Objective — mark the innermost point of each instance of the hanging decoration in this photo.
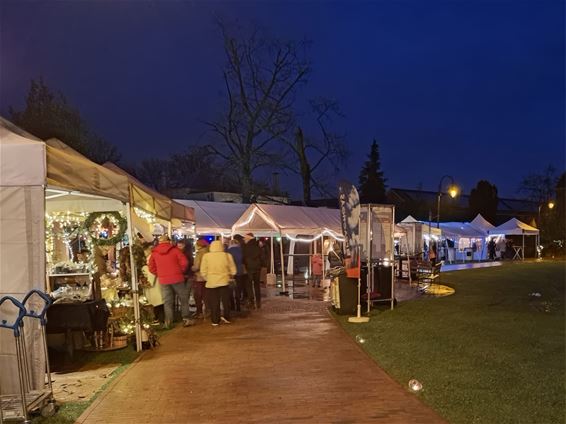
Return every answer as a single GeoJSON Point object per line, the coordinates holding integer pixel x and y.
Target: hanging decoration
{"type": "Point", "coordinates": [106, 228]}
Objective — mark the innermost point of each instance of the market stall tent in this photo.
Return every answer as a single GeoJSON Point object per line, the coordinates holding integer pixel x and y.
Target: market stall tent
{"type": "Point", "coordinates": [296, 223]}
{"type": "Point", "coordinates": [480, 223]}
{"type": "Point", "coordinates": [290, 221]}
{"type": "Point", "coordinates": [469, 241]}
{"type": "Point", "coordinates": [516, 227]}
{"type": "Point", "coordinates": [214, 218]}
{"type": "Point", "coordinates": [22, 251]}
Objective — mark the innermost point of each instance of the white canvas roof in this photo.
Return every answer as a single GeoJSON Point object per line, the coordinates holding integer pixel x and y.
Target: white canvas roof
{"type": "Point", "coordinates": [265, 220]}
{"type": "Point", "coordinates": [22, 158]}
{"type": "Point", "coordinates": [481, 223]}
{"type": "Point", "coordinates": [214, 217]}
{"type": "Point", "coordinates": [152, 201]}
{"type": "Point", "coordinates": [68, 169]}
{"type": "Point", "coordinates": [461, 229]}
{"type": "Point", "coordinates": [514, 227]}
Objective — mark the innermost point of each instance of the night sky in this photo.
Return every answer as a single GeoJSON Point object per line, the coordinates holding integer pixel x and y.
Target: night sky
{"type": "Point", "coordinates": [474, 89]}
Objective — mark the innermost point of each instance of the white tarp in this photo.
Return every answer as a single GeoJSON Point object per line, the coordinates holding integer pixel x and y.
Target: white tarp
{"type": "Point", "coordinates": [22, 250]}
{"type": "Point", "coordinates": [514, 227]}
{"type": "Point", "coordinates": [266, 220]}
{"type": "Point", "coordinates": [482, 224]}
{"type": "Point", "coordinates": [214, 217]}
{"type": "Point", "coordinates": [461, 229]}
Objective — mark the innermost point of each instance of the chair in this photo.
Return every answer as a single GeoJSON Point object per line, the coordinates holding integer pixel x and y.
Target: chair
{"type": "Point", "coordinates": [427, 274]}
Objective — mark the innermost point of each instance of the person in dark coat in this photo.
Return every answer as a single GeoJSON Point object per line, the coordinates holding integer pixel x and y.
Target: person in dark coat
{"type": "Point", "coordinates": [235, 250]}
{"type": "Point", "coordinates": [253, 263]}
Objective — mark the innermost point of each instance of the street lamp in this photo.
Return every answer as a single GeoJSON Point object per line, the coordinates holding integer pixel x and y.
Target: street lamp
{"type": "Point", "coordinates": [549, 204]}
{"type": "Point", "coordinates": [452, 192]}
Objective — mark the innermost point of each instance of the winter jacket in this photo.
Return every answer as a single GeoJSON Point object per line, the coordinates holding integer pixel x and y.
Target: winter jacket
{"type": "Point", "coordinates": [252, 256]}
{"type": "Point", "coordinates": [217, 267]}
{"type": "Point", "coordinates": [168, 263]}
{"type": "Point", "coordinates": [316, 263]}
{"type": "Point", "coordinates": [238, 256]}
{"type": "Point", "coordinates": [201, 251]}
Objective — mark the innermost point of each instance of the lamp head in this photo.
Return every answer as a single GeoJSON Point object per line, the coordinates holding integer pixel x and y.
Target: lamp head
{"type": "Point", "coordinates": [550, 204]}
{"type": "Point", "coordinates": [453, 191]}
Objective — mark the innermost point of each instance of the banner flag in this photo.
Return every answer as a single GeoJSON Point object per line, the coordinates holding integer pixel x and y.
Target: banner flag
{"type": "Point", "coordinates": [349, 201]}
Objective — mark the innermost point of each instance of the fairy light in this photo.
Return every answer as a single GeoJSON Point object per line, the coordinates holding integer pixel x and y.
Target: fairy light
{"type": "Point", "coordinates": [147, 216]}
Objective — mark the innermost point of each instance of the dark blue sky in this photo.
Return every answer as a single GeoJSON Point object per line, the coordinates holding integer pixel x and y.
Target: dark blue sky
{"type": "Point", "coordinates": [470, 88]}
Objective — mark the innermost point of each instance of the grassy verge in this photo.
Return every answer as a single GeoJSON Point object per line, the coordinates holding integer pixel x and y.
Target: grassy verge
{"type": "Point", "coordinates": [68, 412]}
{"type": "Point", "coordinates": [490, 353]}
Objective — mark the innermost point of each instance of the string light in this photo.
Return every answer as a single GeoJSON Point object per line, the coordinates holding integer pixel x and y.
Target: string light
{"type": "Point", "coordinates": [149, 217]}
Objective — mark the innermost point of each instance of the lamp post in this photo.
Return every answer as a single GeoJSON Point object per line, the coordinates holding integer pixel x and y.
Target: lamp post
{"type": "Point", "coordinates": [452, 191]}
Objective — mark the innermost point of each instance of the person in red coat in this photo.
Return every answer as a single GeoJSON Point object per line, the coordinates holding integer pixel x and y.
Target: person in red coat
{"type": "Point", "coordinates": [170, 264]}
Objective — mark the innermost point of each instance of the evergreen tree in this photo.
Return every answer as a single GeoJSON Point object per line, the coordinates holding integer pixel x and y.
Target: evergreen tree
{"type": "Point", "coordinates": [371, 181]}
{"type": "Point", "coordinates": [49, 115]}
{"type": "Point", "coordinates": [484, 200]}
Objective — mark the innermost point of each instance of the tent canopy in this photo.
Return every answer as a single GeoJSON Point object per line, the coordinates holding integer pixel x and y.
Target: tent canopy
{"type": "Point", "coordinates": [69, 170]}
{"type": "Point", "coordinates": [288, 220]}
{"type": "Point", "coordinates": [514, 227]}
{"type": "Point", "coordinates": [481, 223]}
{"type": "Point", "coordinates": [22, 158]}
{"type": "Point", "coordinates": [151, 201]}
{"type": "Point", "coordinates": [214, 217]}
{"type": "Point", "coordinates": [461, 229]}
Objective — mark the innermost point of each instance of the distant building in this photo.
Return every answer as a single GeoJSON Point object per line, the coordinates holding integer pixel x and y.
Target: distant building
{"type": "Point", "coordinates": [222, 196]}
{"type": "Point", "coordinates": [419, 204]}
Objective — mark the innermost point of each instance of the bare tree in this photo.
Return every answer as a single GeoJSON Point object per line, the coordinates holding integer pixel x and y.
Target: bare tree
{"type": "Point", "coordinates": [310, 156]}
{"type": "Point", "coordinates": [260, 77]}
{"type": "Point", "coordinates": [539, 187]}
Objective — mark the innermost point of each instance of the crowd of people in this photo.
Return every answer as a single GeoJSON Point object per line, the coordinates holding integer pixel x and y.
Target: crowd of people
{"type": "Point", "coordinates": [222, 278]}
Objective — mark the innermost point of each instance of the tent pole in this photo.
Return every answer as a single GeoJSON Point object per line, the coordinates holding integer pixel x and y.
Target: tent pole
{"type": "Point", "coordinates": [282, 264]}
{"type": "Point", "coordinates": [134, 279]}
{"type": "Point", "coordinates": [369, 279]}
{"type": "Point", "coordinates": [272, 259]}
{"type": "Point", "coordinates": [393, 257]}
{"type": "Point", "coordinates": [523, 245]}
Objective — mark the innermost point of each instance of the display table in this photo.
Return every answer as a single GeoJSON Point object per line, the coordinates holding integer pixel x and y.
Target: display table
{"type": "Point", "coordinates": [88, 316]}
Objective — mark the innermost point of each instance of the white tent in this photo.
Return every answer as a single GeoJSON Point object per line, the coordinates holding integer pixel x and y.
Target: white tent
{"type": "Point", "coordinates": [469, 241]}
{"type": "Point", "coordinates": [22, 266]}
{"type": "Point", "coordinates": [214, 218]}
{"type": "Point", "coordinates": [516, 227]}
{"type": "Point", "coordinates": [481, 223]}
{"type": "Point", "coordinates": [412, 233]}
{"type": "Point", "coordinates": [290, 221]}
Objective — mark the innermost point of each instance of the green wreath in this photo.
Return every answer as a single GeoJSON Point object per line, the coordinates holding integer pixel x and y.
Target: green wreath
{"type": "Point", "coordinates": [120, 220]}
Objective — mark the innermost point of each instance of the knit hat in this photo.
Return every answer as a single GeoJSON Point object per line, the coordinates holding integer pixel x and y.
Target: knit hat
{"type": "Point", "coordinates": [202, 242]}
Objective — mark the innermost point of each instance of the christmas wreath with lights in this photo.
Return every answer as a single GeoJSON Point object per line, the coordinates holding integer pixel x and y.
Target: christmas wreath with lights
{"type": "Point", "coordinates": [118, 222]}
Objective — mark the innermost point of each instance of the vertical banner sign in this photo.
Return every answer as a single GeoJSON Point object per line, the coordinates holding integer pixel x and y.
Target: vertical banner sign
{"type": "Point", "coordinates": [350, 218]}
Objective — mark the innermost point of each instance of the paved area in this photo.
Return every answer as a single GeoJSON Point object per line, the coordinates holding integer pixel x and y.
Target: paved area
{"type": "Point", "coordinates": [289, 363]}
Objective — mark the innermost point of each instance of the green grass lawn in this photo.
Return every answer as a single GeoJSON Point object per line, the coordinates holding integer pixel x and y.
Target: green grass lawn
{"type": "Point", "coordinates": [490, 353]}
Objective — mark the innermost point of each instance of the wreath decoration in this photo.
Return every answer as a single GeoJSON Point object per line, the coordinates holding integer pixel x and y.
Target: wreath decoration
{"type": "Point", "coordinates": [97, 219]}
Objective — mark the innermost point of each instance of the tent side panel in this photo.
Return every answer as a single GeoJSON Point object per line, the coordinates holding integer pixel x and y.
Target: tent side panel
{"type": "Point", "coordinates": [22, 268]}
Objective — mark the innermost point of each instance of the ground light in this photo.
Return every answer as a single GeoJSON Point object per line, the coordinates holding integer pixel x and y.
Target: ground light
{"type": "Point", "coordinates": [360, 339]}
{"type": "Point", "coordinates": [415, 385]}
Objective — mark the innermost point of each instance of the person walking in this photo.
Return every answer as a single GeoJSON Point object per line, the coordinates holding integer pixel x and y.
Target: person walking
{"type": "Point", "coordinates": [169, 264]}
{"type": "Point", "coordinates": [316, 267]}
{"type": "Point", "coordinates": [491, 249]}
{"type": "Point", "coordinates": [235, 250]}
{"type": "Point", "coordinates": [252, 262]}
{"type": "Point", "coordinates": [199, 281]}
{"type": "Point", "coordinates": [218, 268]}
